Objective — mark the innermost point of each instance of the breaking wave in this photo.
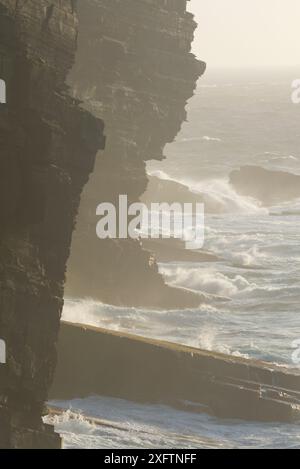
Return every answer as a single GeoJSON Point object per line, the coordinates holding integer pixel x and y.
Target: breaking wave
{"type": "Point", "coordinates": [205, 280]}
{"type": "Point", "coordinates": [218, 195]}
{"type": "Point", "coordinates": [209, 340]}
{"type": "Point", "coordinates": [205, 138]}
{"type": "Point", "coordinates": [126, 425]}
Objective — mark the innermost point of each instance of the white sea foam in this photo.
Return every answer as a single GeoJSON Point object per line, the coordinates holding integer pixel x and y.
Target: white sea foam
{"type": "Point", "coordinates": [286, 157]}
{"type": "Point", "coordinates": [218, 195]}
{"type": "Point", "coordinates": [204, 280]}
{"type": "Point", "coordinates": [206, 138]}
{"type": "Point", "coordinates": [160, 174]}
{"type": "Point", "coordinates": [248, 258]}
{"type": "Point", "coordinates": [242, 255]}
{"type": "Point", "coordinates": [82, 311]}
{"type": "Point", "coordinates": [208, 339]}
{"type": "Point", "coordinates": [127, 425]}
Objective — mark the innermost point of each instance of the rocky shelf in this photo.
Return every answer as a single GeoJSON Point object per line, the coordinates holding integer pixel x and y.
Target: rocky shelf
{"type": "Point", "coordinates": [95, 361]}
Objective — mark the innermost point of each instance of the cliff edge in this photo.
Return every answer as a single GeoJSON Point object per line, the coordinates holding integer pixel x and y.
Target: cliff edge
{"type": "Point", "coordinates": [135, 70]}
{"type": "Point", "coordinates": [48, 146]}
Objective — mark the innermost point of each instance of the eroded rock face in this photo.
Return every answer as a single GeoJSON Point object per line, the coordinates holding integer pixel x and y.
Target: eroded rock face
{"type": "Point", "coordinates": [134, 69]}
{"type": "Point", "coordinates": [48, 145]}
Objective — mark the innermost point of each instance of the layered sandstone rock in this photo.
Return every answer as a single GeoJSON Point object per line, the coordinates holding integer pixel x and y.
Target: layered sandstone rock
{"type": "Point", "coordinates": [48, 145]}
{"type": "Point", "coordinates": [147, 370]}
{"type": "Point", "coordinates": [134, 68]}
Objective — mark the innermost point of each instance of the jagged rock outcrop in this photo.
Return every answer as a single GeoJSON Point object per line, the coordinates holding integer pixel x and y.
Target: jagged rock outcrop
{"type": "Point", "coordinates": [48, 146]}
{"type": "Point", "coordinates": [134, 69]}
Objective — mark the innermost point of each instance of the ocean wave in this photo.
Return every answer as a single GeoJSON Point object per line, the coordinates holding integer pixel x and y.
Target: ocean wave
{"type": "Point", "coordinates": [130, 425]}
{"type": "Point", "coordinates": [72, 422]}
{"type": "Point", "coordinates": [208, 339]}
{"type": "Point", "coordinates": [161, 175]}
{"type": "Point", "coordinates": [118, 318]}
{"type": "Point", "coordinates": [158, 324]}
{"type": "Point", "coordinates": [287, 157]}
{"type": "Point", "coordinates": [251, 257]}
{"type": "Point", "coordinates": [248, 258]}
{"type": "Point", "coordinates": [206, 138]}
{"type": "Point", "coordinates": [207, 281]}
{"type": "Point", "coordinates": [217, 195]}
{"type": "Point", "coordinates": [286, 209]}
{"type": "Point", "coordinates": [275, 155]}
{"type": "Point", "coordinates": [126, 425]}
{"type": "Point", "coordinates": [187, 327]}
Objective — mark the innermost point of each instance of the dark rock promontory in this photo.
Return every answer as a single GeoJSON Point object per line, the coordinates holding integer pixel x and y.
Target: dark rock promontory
{"type": "Point", "coordinates": [48, 147]}
{"type": "Point", "coordinates": [135, 70]}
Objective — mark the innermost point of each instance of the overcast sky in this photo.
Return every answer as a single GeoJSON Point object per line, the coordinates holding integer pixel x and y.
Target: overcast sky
{"type": "Point", "coordinates": [243, 33]}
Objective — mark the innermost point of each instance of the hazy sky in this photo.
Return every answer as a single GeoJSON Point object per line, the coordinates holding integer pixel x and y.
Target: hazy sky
{"type": "Point", "coordinates": [245, 33]}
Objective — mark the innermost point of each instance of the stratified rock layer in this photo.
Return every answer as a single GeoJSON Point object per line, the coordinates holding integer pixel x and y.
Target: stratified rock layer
{"type": "Point", "coordinates": [48, 145]}
{"type": "Point", "coordinates": [147, 370]}
{"type": "Point", "coordinates": [134, 68]}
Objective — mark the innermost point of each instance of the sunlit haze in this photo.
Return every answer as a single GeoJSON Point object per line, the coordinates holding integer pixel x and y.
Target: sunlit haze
{"type": "Point", "coordinates": [247, 33]}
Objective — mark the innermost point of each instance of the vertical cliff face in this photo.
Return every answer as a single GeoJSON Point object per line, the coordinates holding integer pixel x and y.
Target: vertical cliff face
{"type": "Point", "coordinates": [134, 69]}
{"type": "Point", "coordinates": [48, 145]}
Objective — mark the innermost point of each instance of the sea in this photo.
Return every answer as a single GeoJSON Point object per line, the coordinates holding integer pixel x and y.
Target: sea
{"type": "Point", "coordinates": [236, 118]}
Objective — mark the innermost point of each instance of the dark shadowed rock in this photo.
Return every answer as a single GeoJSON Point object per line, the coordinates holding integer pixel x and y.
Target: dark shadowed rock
{"type": "Point", "coordinates": [48, 148]}
{"type": "Point", "coordinates": [135, 70]}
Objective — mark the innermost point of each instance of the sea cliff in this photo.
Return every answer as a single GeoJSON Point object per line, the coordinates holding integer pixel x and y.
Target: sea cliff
{"type": "Point", "coordinates": [134, 68]}
{"type": "Point", "coordinates": [48, 146]}
{"type": "Point", "coordinates": [126, 63]}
